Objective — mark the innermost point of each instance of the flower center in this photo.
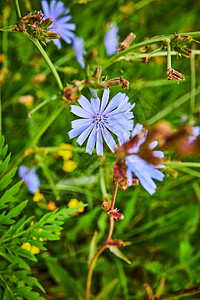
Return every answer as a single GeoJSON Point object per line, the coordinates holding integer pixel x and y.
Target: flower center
{"type": "Point", "coordinates": [99, 120]}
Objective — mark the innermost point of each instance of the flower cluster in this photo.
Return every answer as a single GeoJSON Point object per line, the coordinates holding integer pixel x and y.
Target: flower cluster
{"type": "Point", "coordinates": [75, 203]}
{"type": "Point", "coordinates": [37, 27]}
{"type": "Point", "coordinates": [68, 164]}
{"type": "Point", "coordinates": [99, 119]}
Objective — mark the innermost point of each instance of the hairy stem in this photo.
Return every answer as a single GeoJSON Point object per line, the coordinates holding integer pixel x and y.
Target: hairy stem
{"type": "Point", "coordinates": [103, 247]}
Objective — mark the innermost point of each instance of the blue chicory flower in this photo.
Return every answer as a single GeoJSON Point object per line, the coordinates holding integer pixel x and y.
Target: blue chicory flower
{"type": "Point", "coordinates": [78, 46]}
{"type": "Point", "coordinates": [59, 15]}
{"type": "Point", "coordinates": [100, 118]}
{"type": "Point", "coordinates": [30, 178]}
{"type": "Point", "coordinates": [110, 39]}
{"type": "Point", "coordinates": [140, 167]}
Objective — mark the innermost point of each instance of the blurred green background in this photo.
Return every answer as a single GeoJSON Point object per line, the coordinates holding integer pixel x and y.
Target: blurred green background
{"type": "Point", "coordinates": [163, 229]}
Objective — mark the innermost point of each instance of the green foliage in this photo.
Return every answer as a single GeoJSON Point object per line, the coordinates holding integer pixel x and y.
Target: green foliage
{"type": "Point", "coordinates": [161, 232]}
{"type": "Point", "coordinates": [15, 274]}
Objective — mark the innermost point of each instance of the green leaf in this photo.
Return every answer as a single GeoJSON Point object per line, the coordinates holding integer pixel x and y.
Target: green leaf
{"type": "Point", "coordinates": [3, 152]}
{"type": "Point", "coordinates": [7, 179]}
{"type": "Point", "coordinates": [7, 218]}
{"type": "Point", "coordinates": [64, 279]}
{"type": "Point", "coordinates": [27, 293]}
{"type": "Point", "coordinates": [107, 289]}
{"type": "Point", "coordinates": [115, 250]}
{"type": "Point", "coordinates": [8, 195]}
{"type": "Point", "coordinates": [93, 246]}
{"type": "Point", "coordinates": [4, 164]}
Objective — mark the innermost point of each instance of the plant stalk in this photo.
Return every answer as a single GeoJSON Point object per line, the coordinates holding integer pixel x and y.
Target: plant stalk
{"type": "Point", "coordinates": [103, 247]}
{"type": "Point", "coordinates": [17, 8]}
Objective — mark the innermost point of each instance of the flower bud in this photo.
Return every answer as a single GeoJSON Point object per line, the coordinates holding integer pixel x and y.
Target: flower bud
{"type": "Point", "coordinates": [114, 213]}
{"type": "Point", "coordinates": [118, 81]}
{"type": "Point", "coordinates": [46, 23]}
{"type": "Point", "coordinates": [116, 243]}
{"type": "Point", "coordinates": [119, 175]}
{"type": "Point", "coordinates": [126, 43]}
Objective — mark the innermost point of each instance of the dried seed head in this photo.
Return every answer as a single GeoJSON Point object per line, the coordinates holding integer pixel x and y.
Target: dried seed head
{"type": "Point", "coordinates": [173, 74]}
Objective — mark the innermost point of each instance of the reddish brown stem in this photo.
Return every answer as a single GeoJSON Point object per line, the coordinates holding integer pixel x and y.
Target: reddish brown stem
{"type": "Point", "coordinates": [103, 247]}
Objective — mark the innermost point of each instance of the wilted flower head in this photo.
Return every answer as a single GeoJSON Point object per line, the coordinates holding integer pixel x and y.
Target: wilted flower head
{"type": "Point", "coordinates": [99, 119]}
{"type": "Point", "coordinates": [141, 160]}
{"type": "Point", "coordinates": [30, 178]}
{"type": "Point", "coordinates": [37, 26]}
{"type": "Point", "coordinates": [110, 39]}
{"type": "Point", "coordinates": [78, 46]}
{"type": "Point", "coordinates": [59, 15]}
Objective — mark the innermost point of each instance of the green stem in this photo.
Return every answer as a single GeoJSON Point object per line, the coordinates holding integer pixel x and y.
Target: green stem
{"type": "Point", "coordinates": [169, 62]}
{"type": "Point", "coordinates": [182, 164]}
{"type": "Point", "coordinates": [17, 8]}
{"type": "Point", "coordinates": [197, 190]}
{"type": "Point", "coordinates": [137, 55]}
{"type": "Point", "coordinates": [47, 59]}
{"type": "Point", "coordinates": [151, 41]}
{"type": "Point", "coordinates": [191, 172]}
{"type": "Point", "coordinates": [40, 106]}
{"type": "Point", "coordinates": [7, 286]}
{"type": "Point", "coordinates": [55, 149]}
{"type": "Point", "coordinates": [48, 175]}
{"type": "Point", "coordinates": [172, 106]}
{"type": "Point", "coordinates": [0, 113]}
{"type": "Point", "coordinates": [193, 85]}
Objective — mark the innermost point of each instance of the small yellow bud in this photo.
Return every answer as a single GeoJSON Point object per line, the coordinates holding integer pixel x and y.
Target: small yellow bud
{"type": "Point", "coordinates": [34, 250]}
{"type": "Point", "coordinates": [37, 196]}
{"type": "Point", "coordinates": [74, 203]}
{"type": "Point", "coordinates": [69, 166]}
{"type": "Point", "coordinates": [52, 206]}
{"type": "Point", "coordinates": [26, 246]}
{"type": "Point", "coordinates": [66, 154]}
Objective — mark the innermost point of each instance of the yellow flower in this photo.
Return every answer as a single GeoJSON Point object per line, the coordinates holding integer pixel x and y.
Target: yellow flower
{"type": "Point", "coordinates": [37, 196]}
{"type": "Point", "coordinates": [74, 203]}
{"type": "Point", "coordinates": [27, 246]}
{"type": "Point", "coordinates": [66, 154]}
{"type": "Point", "coordinates": [52, 206]}
{"type": "Point", "coordinates": [27, 100]}
{"type": "Point", "coordinates": [69, 165]}
{"type": "Point", "coordinates": [35, 250]}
